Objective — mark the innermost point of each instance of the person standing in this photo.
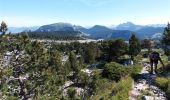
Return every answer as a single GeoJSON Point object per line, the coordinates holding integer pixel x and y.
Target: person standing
{"type": "Point", "coordinates": [154, 57]}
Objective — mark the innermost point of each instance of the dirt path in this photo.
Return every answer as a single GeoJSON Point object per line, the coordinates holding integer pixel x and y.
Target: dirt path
{"type": "Point", "coordinates": [144, 87]}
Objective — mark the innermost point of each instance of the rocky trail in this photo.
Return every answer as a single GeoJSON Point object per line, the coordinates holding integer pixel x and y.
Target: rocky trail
{"type": "Point", "coordinates": [145, 88]}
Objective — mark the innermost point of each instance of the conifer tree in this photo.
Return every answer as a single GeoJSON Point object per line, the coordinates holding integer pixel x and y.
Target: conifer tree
{"type": "Point", "coordinates": [32, 70]}
{"type": "Point", "coordinates": [74, 65]}
{"type": "Point", "coordinates": [134, 46]}
{"type": "Point", "coordinates": [3, 27]}
{"type": "Point", "coordinates": [166, 40]}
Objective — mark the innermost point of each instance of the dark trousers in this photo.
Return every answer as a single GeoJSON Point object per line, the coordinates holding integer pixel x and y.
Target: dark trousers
{"type": "Point", "coordinates": [155, 62]}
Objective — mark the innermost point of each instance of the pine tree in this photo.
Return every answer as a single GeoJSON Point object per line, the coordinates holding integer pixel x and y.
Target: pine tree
{"type": "Point", "coordinates": [166, 40]}
{"type": "Point", "coordinates": [118, 49]}
{"type": "Point", "coordinates": [134, 46]}
{"type": "Point", "coordinates": [89, 55]}
{"type": "Point", "coordinates": [30, 68]}
{"type": "Point", "coordinates": [114, 49]}
{"type": "Point", "coordinates": [74, 65]}
{"type": "Point", "coordinates": [146, 43]}
{"type": "Point", "coordinates": [3, 27]}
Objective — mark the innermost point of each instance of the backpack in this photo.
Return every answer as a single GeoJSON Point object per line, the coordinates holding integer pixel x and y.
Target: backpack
{"type": "Point", "coordinates": [154, 56]}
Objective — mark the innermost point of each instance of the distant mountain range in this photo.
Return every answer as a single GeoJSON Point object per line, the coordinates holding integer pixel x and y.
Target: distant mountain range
{"type": "Point", "coordinates": [102, 32]}
{"type": "Point", "coordinates": [22, 29]}
{"type": "Point", "coordinates": [147, 31]}
{"type": "Point", "coordinates": [124, 30]}
{"type": "Point", "coordinates": [128, 26]}
{"type": "Point", "coordinates": [56, 27]}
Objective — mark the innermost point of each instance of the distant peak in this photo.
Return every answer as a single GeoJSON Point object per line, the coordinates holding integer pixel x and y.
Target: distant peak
{"type": "Point", "coordinates": [61, 23]}
{"type": "Point", "coordinates": [99, 26]}
{"type": "Point", "coordinates": [127, 23]}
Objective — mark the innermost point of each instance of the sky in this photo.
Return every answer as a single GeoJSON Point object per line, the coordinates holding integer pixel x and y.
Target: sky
{"type": "Point", "coordinates": [19, 13]}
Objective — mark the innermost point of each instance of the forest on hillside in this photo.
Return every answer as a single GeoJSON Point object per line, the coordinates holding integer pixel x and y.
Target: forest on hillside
{"type": "Point", "coordinates": [58, 35]}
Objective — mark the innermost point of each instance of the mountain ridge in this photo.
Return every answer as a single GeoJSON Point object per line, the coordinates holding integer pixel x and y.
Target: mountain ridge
{"type": "Point", "coordinates": [123, 30]}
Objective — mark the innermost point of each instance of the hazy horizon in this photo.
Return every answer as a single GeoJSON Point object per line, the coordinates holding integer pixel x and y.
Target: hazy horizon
{"type": "Point", "coordinates": [90, 26]}
{"type": "Point", "coordinates": [19, 13]}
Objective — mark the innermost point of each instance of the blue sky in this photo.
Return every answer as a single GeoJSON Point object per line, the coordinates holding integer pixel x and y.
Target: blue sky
{"type": "Point", "coordinates": [84, 12]}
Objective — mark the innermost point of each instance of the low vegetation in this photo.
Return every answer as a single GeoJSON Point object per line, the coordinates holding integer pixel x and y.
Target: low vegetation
{"type": "Point", "coordinates": [41, 70]}
{"type": "Point", "coordinates": [164, 84]}
{"type": "Point", "coordinates": [116, 90]}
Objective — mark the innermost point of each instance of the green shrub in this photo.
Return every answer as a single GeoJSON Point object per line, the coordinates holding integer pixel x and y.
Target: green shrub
{"type": "Point", "coordinates": [113, 71]}
{"type": "Point", "coordinates": [107, 87]}
{"type": "Point", "coordinates": [116, 80]}
{"type": "Point", "coordinates": [136, 69]}
{"type": "Point", "coordinates": [168, 91]}
{"type": "Point", "coordinates": [71, 93]}
{"type": "Point", "coordinates": [122, 89]}
{"type": "Point", "coordinates": [162, 82]}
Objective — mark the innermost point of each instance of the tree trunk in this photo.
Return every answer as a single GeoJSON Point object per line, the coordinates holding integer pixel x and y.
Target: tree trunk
{"type": "Point", "coordinates": [22, 91]}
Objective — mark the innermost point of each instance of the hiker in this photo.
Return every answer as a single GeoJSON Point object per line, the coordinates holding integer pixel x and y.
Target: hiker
{"type": "Point", "coordinates": [154, 57]}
